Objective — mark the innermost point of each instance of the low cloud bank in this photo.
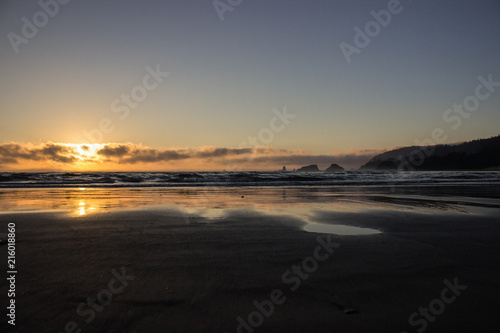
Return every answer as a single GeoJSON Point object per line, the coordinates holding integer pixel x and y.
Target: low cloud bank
{"type": "Point", "coordinates": [120, 155]}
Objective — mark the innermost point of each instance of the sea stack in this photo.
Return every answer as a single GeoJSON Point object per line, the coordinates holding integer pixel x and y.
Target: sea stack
{"type": "Point", "coordinates": [334, 168]}
{"type": "Point", "coordinates": [309, 168]}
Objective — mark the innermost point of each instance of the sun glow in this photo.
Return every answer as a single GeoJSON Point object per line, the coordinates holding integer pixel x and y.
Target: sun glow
{"type": "Point", "coordinates": [86, 152]}
{"type": "Point", "coordinates": [85, 155]}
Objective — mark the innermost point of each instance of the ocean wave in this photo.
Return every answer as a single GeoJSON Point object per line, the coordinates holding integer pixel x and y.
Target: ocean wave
{"type": "Point", "coordinates": [220, 179]}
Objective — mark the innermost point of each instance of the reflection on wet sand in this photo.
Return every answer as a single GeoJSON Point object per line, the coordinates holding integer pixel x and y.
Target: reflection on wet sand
{"type": "Point", "coordinates": [338, 229]}
{"type": "Point", "coordinates": [214, 203]}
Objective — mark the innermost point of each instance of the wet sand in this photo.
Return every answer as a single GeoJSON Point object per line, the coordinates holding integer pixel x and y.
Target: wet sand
{"type": "Point", "coordinates": [185, 269]}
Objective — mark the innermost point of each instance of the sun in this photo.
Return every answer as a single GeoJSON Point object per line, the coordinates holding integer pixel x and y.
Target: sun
{"type": "Point", "coordinates": [86, 152]}
{"type": "Point", "coordinates": [86, 155]}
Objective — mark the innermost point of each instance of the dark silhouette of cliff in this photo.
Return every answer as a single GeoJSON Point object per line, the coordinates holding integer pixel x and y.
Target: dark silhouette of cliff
{"type": "Point", "coordinates": [481, 154]}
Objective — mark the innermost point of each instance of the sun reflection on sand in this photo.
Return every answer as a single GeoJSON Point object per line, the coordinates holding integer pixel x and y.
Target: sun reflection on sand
{"type": "Point", "coordinates": [208, 203]}
{"type": "Point", "coordinates": [81, 210]}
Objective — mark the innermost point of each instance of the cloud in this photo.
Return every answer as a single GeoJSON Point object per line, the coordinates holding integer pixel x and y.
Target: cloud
{"type": "Point", "coordinates": [119, 156]}
{"type": "Point", "coordinates": [113, 151]}
{"type": "Point", "coordinates": [56, 153]}
{"type": "Point", "coordinates": [208, 152]}
{"type": "Point", "coordinates": [12, 152]}
{"type": "Point", "coordinates": [131, 153]}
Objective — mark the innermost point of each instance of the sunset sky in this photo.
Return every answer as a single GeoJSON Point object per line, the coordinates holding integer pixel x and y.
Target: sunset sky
{"type": "Point", "coordinates": [267, 86]}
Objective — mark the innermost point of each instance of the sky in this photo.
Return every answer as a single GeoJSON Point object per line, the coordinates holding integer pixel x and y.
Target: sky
{"type": "Point", "coordinates": [254, 85]}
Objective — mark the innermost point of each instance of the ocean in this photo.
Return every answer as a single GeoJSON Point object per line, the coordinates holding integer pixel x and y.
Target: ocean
{"type": "Point", "coordinates": [240, 179]}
